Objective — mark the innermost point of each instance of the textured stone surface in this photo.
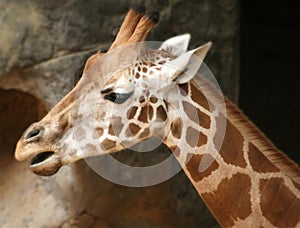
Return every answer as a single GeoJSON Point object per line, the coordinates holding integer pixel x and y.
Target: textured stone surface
{"type": "Point", "coordinates": [49, 81]}
{"type": "Point", "coordinates": [43, 45]}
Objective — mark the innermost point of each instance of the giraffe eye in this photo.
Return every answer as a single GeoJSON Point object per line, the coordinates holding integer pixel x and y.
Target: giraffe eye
{"type": "Point", "coordinates": [117, 98]}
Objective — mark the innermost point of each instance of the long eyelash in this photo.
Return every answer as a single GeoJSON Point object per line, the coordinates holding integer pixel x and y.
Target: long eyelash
{"type": "Point", "coordinates": [117, 98]}
{"type": "Point", "coordinates": [106, 90]}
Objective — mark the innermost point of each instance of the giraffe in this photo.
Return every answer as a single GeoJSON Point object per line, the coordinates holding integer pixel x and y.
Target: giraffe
{"type": "Point", "coordinates": [245, 179]}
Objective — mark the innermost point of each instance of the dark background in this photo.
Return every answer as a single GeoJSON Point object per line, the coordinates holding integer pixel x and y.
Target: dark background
{"type": "Point", "coordinates": [269, 70]}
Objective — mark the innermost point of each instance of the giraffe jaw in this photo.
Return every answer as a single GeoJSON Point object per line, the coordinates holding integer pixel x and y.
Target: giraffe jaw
{"type": "Point", "coordinates": [45, 163]}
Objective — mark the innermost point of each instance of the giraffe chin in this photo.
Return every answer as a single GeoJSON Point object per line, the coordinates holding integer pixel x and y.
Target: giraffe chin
{"type": "Point", "coordinates": [45, 164]}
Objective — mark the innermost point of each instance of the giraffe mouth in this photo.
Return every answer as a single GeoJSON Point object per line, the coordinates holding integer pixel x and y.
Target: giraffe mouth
{"type": "Point", "coordinates": [45, 163]}
{"type": "Point", "coordinates": [41, 157]}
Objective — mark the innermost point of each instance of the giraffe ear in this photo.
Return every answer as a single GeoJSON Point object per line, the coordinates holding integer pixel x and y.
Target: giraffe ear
{"type": "Point", "coordinates": [185, 67]}
{"type": "Point", "coordinates": [176, 45]}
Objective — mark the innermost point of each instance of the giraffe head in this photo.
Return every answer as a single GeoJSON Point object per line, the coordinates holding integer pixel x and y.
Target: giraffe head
{"type": "Point", "coordinates": [122, 98]}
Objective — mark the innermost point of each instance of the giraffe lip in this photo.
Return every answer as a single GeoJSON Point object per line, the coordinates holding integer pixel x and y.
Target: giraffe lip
{"type": "Point", "coordinates": [45, 163]}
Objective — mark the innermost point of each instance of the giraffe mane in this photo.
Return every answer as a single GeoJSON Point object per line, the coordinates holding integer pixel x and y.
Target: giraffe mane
{"type": "Point", "coordinates": [253, 134]}
{"type": "Point", "coordinates": [249, 130]}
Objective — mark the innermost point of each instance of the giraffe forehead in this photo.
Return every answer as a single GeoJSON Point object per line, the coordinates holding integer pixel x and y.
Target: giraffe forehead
{"type": "Point", "coordinates": [151, 63]}
{"type": "Point", "coordinates": [120, 78]}
{"type": "Point", "coordinates": [148, 78]}
{"type": "Point", "coordinates": [144, 68]}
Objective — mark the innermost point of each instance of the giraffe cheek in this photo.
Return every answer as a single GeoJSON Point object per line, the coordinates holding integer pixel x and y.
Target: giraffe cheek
{"type": "Point", "coordinates": [79, 134]}
{"type": "Point", "coordinates": [115, 126]}
{"type": "Point", "coordinates": [97, 133]}
{"type": "Point", "coordinates": [132, 130]}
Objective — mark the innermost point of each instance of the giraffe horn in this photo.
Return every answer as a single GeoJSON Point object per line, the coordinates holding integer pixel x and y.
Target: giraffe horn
{"type": "Point", "coordinates": [144, 27]}
{"type": "Point", "coordinates": [128, 26]}
{"type": "Point", "coordinates": [135, 28]}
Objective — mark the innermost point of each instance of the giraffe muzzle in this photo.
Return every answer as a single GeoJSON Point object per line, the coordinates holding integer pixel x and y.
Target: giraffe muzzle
{"type": "Point", "coordinates": [45, 164]}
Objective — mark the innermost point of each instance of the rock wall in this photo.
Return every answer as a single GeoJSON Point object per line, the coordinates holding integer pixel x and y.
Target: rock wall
{"type": "Point", "coordinates": [43, 46]}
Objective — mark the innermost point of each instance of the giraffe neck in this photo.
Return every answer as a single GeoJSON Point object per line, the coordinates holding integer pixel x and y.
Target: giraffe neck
{"type": "Point", "coordinates": [248, 182]}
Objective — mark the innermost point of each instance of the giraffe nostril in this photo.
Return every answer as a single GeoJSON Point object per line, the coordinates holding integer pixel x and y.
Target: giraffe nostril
{"type": "Point", "coordinates": [32, 134]}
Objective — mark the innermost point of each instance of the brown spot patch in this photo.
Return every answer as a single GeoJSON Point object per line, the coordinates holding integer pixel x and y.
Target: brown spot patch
{"type": "Point", "coordinates": [196, 115]}
{"type": "Point", "coordinates": [161, 113]}
{"type": "Point", "coordinates": [90, 147]}
{"type": "Point", "coordinates": [145, 133]}
{"type": "Point", "coordinates": [108, 144]}
{"type": "Point", "coordinates": [111, 130]}
{"type": "Point", "coordinates": [97, 133]}
{"type": "Point", "coordinates": [145, 69]}
{"type": "Point", "coordinates": [115, 127]}
{"type": "Point", "coordinates": [199, 97]}
{"type": "Point", "coordinates": [142, 99]}
{"type": "Point", "coordinates": [153, 99]}
{"type": "Point", "coordinates": [231, 147]}
{"type": "Point", "coordinates": [195, 138]}
{"type": "Point", "coordinates": [132, 129]}
{"type": "Point", "coordinates": [137, 75]}
{"type": "Point", "coordinates": [131, 112]}
{"type": "Point", "coordinates": [184, 89]}
{"type": "Point", "coordinates": [176, 128]}
{"type": "Point", "coordinates": [176, 150]}
{"type": "Point", "coordinates": [143, 117]}
{"type": "Point", "coordinates": [79, 134]}
{"type": "Point", "coordinates": [231, 201]}
{"type": "Point", "coordinates": [259, 162]}
{"type": "Point", "coordinates": [193, 165]}
{"type": "Point", "coordinates": [278, 204]}
{"type": "Point", "coordinates": [150, 112]}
